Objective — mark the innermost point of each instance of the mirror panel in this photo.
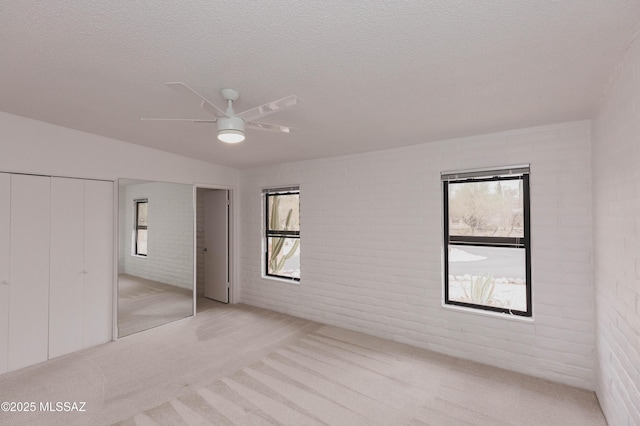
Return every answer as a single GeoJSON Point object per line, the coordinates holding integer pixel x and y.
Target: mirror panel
{"type": "Point", "coordinates": [155, 254]}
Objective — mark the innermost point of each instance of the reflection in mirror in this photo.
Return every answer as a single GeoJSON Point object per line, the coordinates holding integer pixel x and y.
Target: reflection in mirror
{"type": "Point", "coordinates": [155, 254]}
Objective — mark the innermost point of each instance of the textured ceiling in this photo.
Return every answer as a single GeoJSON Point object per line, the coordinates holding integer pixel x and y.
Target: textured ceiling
{"type": "Point", "coordinates": [370, 75]}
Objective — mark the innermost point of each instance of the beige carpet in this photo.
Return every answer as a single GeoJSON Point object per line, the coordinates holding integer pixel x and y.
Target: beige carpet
{"type": "Point", "coordinates": [236, 364]}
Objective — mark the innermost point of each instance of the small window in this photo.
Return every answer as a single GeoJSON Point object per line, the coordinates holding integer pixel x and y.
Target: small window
{"type": "Point", "coordinates": [141, 224]}
{"type": "Point", "coordinates": [282, 233]}
{"type": "Point", "coordinates": [487, 257]}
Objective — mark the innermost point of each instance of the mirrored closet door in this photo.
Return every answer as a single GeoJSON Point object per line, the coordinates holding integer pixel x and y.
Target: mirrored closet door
{"type": "Point", "coordinates": [155, 254]}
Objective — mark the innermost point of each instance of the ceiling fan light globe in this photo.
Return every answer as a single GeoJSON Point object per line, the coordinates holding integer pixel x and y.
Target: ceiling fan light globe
{"type": "Point", "coordinates": [230, 136]}
{"type": "Point", "coordinates": [230, 129]}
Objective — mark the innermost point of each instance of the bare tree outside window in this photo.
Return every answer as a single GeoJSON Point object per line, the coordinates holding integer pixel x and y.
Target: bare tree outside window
{"type": "Point", "coordinates": [486, 209]}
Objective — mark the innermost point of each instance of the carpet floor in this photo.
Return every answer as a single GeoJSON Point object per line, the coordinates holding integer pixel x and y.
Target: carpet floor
{"type": "Point", "coordinates": [241, 365]}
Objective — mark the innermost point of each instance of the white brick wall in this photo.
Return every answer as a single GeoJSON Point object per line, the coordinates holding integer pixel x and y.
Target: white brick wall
{"type": "Point", "coordinates": [371, 231]}
{"type": "Point", "coordinates": [200, 242]}
{"type": "Point", "coordinates": [616, 171]}
{"type": "Point", "coordinates": [170, 238]}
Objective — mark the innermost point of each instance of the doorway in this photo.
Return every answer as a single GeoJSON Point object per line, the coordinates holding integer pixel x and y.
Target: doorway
{"type": "Point", "coordinates": [213, 247]}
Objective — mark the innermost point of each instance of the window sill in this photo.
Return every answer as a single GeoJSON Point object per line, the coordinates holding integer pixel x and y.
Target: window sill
{"type": "Point", "coordinates": [509, 317]}
{"type": "Point", "coordinates": [282, 280]}
{"type": "Point", "coordinates": [139, 256]}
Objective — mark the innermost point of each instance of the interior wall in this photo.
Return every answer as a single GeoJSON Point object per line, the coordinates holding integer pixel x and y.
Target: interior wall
{"type": "Point", "coordinates": [200, 243]}
{"type": "Point", "coordinates": [170, 233]}
{"type": "Point", "coordinates": [616, 176]}
{"type": "Point", "coordinates": [31, 146]}
{"type": "Point", "coordinates": [371, 249]}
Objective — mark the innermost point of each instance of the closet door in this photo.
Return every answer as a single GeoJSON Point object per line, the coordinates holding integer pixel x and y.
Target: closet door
{"type": "Point", "coordinates": [29, 266]}
{"type": "Point", "coordinates": [98, 263]}
{"type": "Point", "coordinates": [66, 283]}
{"type": "Point", "coordinates": [5, 232]}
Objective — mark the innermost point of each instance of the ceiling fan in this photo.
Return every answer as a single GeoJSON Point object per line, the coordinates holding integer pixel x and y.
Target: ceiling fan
{"type": "Point", "coordinates": [231, 125]}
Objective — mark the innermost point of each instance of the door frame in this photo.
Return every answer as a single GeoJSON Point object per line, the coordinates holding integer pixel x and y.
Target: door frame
{"type": "Point", "coordinates": [233, 246]}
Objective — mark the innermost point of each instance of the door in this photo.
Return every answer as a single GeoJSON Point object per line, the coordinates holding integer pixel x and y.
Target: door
{"type": "Point", "coordinates": [81, 285]}
{"type": "Point", "coordinates": [66, 284]}
{"type": "Point", "coordinates": [98, 263]}
{"type": "Point", "coordinates": [29, 266]}
{"type": "Point", "coordinates": [5, 224]}
{"type": "Point", "coordinates": [216, 243]}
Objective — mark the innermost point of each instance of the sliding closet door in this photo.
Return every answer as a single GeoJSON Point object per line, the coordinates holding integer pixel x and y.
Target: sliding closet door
{"type": "Point", "coordinates": [29, 266]}
{"type": "Point", "coordinates": [66, 285]}
{"type": "Point", "coordinates": [98, 262]}
{"type": "Point", "coordinates": [5, 232]}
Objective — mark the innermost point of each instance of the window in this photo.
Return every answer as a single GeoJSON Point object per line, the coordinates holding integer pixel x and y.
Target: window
{"type": "Point", "coordinates": [282, 233]}
{"type": "Point", "coordinates": [141, 223]}
{"type": "Point", "coordinates": [487, 259]}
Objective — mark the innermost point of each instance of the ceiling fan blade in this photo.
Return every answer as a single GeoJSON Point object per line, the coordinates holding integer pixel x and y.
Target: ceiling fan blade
{"type": "Point", "coordinates": [192, 120]}
{"type": "Point", "coordinates": [204, 103]}
{"type": "Point", "coordinates": [268, 108]}
{"type": "Point", "coordinates": [269, 127]}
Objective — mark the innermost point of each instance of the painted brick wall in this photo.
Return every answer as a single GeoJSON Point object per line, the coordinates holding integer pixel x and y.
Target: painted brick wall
{"type": "Point", "coordinates": [616, 175]}
{"type": "Point", "coordinates": [371, 249]}
{"type": "Point", "coordinates": [170, 240]}
{"type": "Point", "coordinates": [200, 242]}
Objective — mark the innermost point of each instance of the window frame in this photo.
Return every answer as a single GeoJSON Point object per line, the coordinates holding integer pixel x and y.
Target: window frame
{"type": "Point", "coordinates": [290, 190]}
{"type": "Point", "coordinates": [137, 227]}
{"type": "Point", "coordinates": [490, 175]}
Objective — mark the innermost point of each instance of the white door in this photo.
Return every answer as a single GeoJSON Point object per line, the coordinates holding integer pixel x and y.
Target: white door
{"type": "Point", "coordinates": [66, 282]}
{"type": "Point", "coordinates": [29, 266]}
{"type": "Point", "coordinates": [98, 263]}
{"type": "Point", "coordinates": [5, 232]}
{"type": "Point", "coordinates": [216, 243]}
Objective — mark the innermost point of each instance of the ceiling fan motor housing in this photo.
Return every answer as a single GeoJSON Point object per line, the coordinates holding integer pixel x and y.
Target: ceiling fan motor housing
{"type": "Point", "coordinates": [231, 123]}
